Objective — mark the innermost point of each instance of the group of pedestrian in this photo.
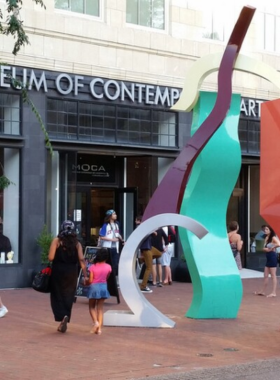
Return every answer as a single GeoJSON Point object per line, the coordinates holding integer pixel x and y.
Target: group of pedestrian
{"type": "Point", "coordinates": [65, 254]}
{"type": "Point", "coordinates": [156, 252]}
{"type": "Point", "coordinates": [270, 244]}
{"type": "Point", "coordinates": [163, 240]}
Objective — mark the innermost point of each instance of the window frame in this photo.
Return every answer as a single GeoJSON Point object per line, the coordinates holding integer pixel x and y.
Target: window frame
{"type": "Point", "coordinates": [62, 131]}
{"type": "Point", "coordinates": [151, 29]}
{"type": "Point", "coordinates": [11, 121]}
{"type": "Point", "coordinates": [214, 21]}
{"type": "Point", "coordinates": [84, 15]}
{"type": "Point", "coordinates": [263, 32]}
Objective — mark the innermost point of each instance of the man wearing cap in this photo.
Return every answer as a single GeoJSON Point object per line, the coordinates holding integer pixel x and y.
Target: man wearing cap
{"type": "Point", "coordinates": [110, 237]}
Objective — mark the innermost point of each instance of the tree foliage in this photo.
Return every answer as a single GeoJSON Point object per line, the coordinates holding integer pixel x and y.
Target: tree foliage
{"type": "Point", "coordinates": [44, 241]}
{"type": "Point", "coordinates": [14, 25]}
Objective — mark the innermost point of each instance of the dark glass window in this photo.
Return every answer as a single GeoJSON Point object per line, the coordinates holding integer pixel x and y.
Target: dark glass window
{"type": "Point", "coordinates": [111, 124]}
{"type": "Point", "coordinates": [62, 119]}
{"type": "Point", "coordinates": [249, 136]}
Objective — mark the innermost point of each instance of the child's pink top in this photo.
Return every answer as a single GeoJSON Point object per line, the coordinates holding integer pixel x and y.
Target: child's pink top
{"type": "Point", "coordinates": [100, 272]}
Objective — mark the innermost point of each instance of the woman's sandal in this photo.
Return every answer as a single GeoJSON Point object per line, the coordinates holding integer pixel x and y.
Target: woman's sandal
{"type": "Point", "coordinates": [98, 332]}
{"type": "Point", "coordinates": [94, 328]}
{"type": "Point", "coordinates": [271, 295]}
{"type": "Point", "coordinates": [63, 325]}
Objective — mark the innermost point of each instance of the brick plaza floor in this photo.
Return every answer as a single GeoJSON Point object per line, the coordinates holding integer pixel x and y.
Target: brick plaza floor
{"type": "Point", "coordinates": [31, 348]}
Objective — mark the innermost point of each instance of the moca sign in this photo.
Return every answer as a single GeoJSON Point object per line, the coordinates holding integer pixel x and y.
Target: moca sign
{"type": "Point", "coordinates": [98, 88]}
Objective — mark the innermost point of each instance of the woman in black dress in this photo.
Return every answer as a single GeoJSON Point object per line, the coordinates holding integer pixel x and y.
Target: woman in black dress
{"type": "Point", "coordinates": [65, 253]}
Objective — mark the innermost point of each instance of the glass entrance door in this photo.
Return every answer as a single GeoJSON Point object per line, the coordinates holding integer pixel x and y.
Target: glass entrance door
{"type": "Point", "coordinates": [91, 205]}
{"type": "Point", "coordinates": [126, 208]}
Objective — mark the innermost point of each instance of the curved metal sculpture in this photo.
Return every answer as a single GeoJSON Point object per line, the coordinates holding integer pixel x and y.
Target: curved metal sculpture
{"type": "Point", "coordinates": [142, 313]}
{"type": "Point", "coordinates": [209, 64]}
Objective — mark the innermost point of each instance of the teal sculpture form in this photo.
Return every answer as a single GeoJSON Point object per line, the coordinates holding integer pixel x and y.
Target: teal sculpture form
{"type": "Point", "coordinates": [217, 287]}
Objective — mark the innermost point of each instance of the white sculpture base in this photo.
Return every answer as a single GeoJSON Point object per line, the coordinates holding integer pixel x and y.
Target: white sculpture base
{"type": "Point", "coordinates": [128, 319]}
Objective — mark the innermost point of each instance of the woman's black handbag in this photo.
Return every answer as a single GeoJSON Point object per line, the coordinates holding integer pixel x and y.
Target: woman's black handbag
{"type": "Point", "coordinates": [42, 280]}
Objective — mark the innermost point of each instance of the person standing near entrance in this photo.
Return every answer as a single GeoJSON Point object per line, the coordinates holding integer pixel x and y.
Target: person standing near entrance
{"type": "Point", "coordinates": [111, 238]}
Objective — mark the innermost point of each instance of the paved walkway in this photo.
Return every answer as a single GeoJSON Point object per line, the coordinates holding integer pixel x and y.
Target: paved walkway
{"type": "Point", "coordinates": [195, 349]}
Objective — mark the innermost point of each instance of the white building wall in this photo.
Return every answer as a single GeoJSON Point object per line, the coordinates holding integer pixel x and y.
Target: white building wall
{"type": "Point", "coordinates": [108, 47]}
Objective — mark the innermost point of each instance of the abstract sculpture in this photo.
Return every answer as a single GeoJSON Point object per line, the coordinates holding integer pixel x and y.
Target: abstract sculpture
{"type": "Point", "coordinates": [216, 286]}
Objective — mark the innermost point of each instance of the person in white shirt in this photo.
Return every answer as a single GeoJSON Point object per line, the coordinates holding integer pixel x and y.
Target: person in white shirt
{"type": "Point", "coordinates": [111, 238]}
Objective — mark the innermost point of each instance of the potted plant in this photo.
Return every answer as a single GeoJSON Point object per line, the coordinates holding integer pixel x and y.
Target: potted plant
{"type": "Point", "coordinates": [44, 241]}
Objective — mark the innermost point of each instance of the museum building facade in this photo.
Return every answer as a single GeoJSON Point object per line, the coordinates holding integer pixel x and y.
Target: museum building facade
{"type": "Point", "coordinates": [112, 141]}
{"type": "Point", "coordinates": [104, 84]}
